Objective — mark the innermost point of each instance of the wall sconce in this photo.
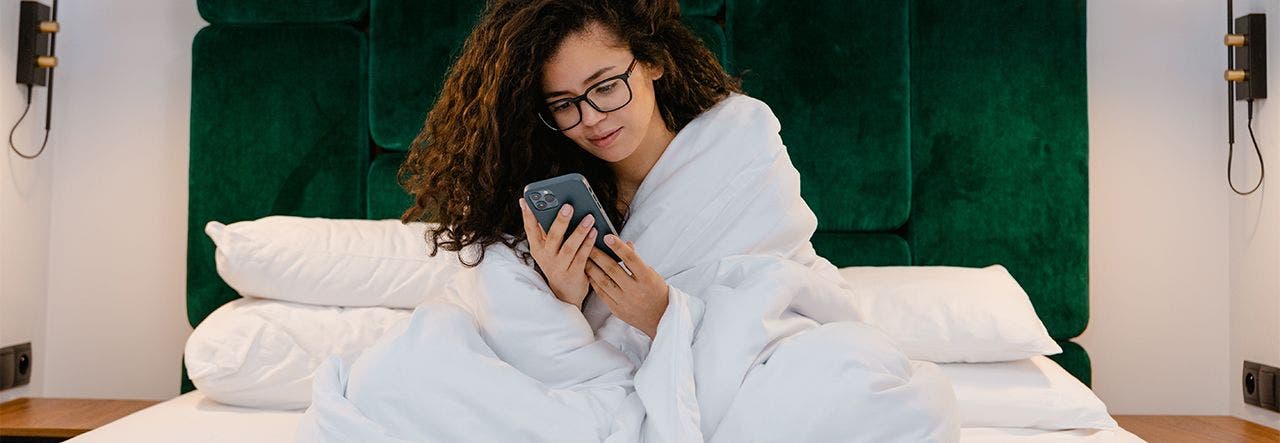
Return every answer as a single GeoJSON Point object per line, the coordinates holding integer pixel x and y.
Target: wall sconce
{"type": "Point", "coordinates": [1246, 76]}
{"type": "Point", "coordinates": [37, 31]}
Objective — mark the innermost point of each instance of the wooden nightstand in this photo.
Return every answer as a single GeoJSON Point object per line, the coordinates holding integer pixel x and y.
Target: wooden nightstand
{"type": "Point", "coordinates": [57, 419]}
{"type": "Point", "coordinates": [1196, 428]}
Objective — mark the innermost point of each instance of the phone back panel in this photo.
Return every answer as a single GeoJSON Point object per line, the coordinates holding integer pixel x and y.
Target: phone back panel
{"type": "Point", "coordinates": [545, 198]}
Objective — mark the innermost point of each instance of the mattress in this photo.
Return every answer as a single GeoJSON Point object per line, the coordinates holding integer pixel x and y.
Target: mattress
{"type": "Point", "coordinates": [194, 418]}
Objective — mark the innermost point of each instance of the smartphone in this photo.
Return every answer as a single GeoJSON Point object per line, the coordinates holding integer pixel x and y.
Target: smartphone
{"type": "Point", "coordinates": [546, 196]}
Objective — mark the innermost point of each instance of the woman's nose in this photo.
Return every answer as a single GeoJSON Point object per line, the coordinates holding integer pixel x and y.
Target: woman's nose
{"type": "Point", "coordinates": [590, 116]}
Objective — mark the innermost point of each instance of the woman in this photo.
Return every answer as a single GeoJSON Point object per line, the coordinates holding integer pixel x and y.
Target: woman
{"type": "Point", "coordinates": [730, 328]}
{"type": "Point", "coordinates": [549, 87]}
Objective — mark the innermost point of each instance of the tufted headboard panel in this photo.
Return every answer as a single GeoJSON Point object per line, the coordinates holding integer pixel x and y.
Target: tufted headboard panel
{"type": "Point", "coordinates": [927, 132]}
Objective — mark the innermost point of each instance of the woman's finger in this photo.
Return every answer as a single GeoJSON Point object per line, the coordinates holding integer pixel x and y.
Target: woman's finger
{"type": "Point", "coordinates": [612, 269]}
{"type": "Point", "coordinates": [600, 258]}
{"type": "Point", "coordinates": [531, 227]}
{"type": "Point", "coordinates": [584, 250]}
{"type": "Point", "coordinates": [602, 284]}
{"type": "Point", "coordinates": [625, 252]}
{"type": "Point", "coordinates": [574, 242]}
{"type": "Point", "coordinates": [555, 235]}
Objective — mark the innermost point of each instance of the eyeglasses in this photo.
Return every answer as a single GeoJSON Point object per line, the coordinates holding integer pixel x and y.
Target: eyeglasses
{"type": "Point", "coordinates": [607, 95]}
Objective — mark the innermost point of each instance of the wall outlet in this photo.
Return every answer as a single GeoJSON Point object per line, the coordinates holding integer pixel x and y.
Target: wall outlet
{"type": "Point", "coordinates": [15, 365]}
{"type": "Point", "coordinates": [1261, 384]}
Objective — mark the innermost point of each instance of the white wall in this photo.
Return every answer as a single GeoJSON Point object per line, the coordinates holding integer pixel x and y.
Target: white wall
{"type": "Point", "coordinates": [1185, 275]}
{"type": "Point", "coordinates": [116, 293]}
{"type": "Point", "coordinates": [1158, 206]}
{"type": "Point", "coordinates": [24, 213]}
{"type": "Point", "coordinates": [1255, 234]}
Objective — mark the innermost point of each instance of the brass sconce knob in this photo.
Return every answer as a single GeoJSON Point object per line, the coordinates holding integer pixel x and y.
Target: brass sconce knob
{"type": "Point", "coordinates": [45, 61]}
{"type": "Point", "coordinates": [1236, 40]}
{"type": "Point", "coordinates": [49, 27]}
{"type": "Point", "coordinates": [1235, 75]}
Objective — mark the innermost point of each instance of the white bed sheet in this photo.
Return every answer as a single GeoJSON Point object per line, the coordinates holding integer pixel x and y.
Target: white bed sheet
{"type": "Point", "coordinates": [193, 418]}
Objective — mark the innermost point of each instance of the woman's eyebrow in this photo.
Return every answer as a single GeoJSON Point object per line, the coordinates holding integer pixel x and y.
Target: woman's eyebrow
{"type": "Point", "coordinates": [588, 80]}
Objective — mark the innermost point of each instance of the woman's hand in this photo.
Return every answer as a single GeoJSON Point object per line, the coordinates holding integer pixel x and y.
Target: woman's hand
{"type": "Point", "coordinates": [563, 261]}
{"type": "Point", "coordinates": [638, 298]}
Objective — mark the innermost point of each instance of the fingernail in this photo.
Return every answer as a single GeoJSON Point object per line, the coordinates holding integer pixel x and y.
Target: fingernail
{"type": "Point", "coordinates": [520, 202]}
{"type": "Point", "coordinates": [566, 210]}
{"type": "Point", "coordinates": [592, 234]}
{"type": "Point", "coordinates": [587, 220]}
{"type": "Point", "coordinates": [609, 239]}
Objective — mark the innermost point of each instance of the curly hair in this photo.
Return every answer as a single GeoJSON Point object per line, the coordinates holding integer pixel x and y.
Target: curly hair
{"type": "Point", "coordinates": [482, 142]}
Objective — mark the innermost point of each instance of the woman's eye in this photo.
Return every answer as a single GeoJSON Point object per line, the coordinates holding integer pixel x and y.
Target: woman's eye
{"type": "Point", "coordinates": [559, 106]}
{"type": "Point", "coordinates": [605, 88]}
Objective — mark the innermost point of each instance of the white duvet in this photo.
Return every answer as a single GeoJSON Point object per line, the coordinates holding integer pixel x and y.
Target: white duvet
{"type": "Point", "coordinates": [760, 340]}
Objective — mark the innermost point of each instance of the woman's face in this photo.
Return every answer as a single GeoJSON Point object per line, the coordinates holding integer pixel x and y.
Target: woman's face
{"type": "Point", "coordinates": [583, 60]}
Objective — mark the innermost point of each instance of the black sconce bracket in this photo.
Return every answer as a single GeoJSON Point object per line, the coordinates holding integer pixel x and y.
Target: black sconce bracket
{"type": "Point", "coordinates": [33, 44]}
{"type": "Point", "coordinates": [1251, 57]}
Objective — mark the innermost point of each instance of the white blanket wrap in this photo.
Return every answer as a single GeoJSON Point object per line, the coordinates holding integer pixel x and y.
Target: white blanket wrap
{"type": "Point", "coordinates": [760, 340]}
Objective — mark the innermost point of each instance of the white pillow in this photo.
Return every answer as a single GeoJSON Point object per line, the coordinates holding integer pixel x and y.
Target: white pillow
{"type": "Point", "coordinates": [264, 353]}
{"type": "Point", "coordinates": [1032, 393]}
{"type": "Point", "coordinates": [948, 314]}
{"type": "Point", "coordinates": [331, 262]}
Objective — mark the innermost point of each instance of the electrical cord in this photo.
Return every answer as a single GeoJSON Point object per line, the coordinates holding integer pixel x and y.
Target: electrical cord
{"type": "Point", "coordinates": [1262, 167]}
{"type": "Point", "coordinates": [15, 129]}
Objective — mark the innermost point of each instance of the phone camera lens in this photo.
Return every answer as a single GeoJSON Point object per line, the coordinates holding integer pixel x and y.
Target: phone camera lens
{"type": "Point", "coordinates": [540, 205]}
{"type": "Point", "coordinates": [535, 196]}
{"type": "Point", "coordinates": [550, 199]}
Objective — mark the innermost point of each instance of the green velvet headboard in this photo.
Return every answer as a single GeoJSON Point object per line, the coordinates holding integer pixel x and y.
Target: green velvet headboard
{"type": "Point", "coordinates": [927, 132]}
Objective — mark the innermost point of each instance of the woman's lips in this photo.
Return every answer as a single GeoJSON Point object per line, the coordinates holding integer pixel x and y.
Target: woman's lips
{"type": "Point", "coordinates": [606, 140]}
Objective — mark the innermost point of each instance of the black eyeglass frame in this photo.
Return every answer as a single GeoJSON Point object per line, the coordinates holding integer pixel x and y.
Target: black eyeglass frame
{"type": "Point", "coordinates": [577, 101]}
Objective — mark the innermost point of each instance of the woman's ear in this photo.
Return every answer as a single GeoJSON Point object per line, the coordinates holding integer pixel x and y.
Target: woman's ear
{"type": "Point", "coordinates": [655, 71]}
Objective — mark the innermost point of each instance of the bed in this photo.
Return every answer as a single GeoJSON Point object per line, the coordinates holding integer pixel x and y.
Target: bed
{"type": "Point", "coordinates": [194, 418]}
{"type": "Point", "coordinates": [927, 132]}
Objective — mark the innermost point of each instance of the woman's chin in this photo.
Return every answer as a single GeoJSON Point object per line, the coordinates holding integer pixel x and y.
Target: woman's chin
{"type": "Point", "coordinates": [610, 157]}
